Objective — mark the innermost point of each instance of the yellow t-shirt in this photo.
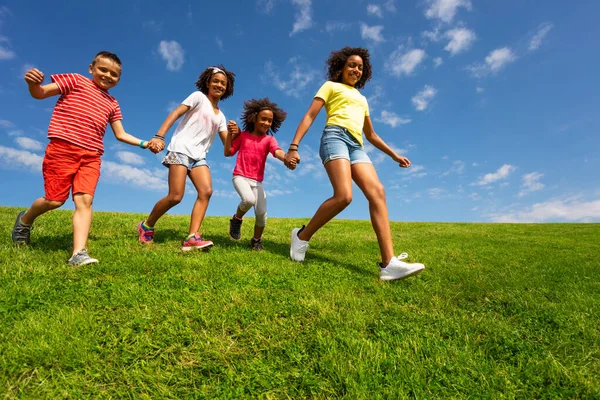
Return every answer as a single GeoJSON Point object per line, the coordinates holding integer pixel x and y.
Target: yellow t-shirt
{"type": "Point", "coordinates": [345, 107]}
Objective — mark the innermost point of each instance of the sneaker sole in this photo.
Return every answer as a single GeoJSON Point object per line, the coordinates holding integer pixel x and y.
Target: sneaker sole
{"type": "Point", "coordinates": [94, 261]}
{"type": "Point", "coordinates": [408, 275]}
{"type": "Point", "coordinates": [204, 247]}
{"type": "Point", "coordinates": [18, 242]}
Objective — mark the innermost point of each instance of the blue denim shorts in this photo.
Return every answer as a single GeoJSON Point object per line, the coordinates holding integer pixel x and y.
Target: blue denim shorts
{"type": "Point", "coordinates": [337, 142]}
{"type": "Point", "coordinates": [174, 158]}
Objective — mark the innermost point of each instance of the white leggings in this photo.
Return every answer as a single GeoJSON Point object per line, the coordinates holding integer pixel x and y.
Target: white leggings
{"type": "Point", "coordinates": [253, 195]}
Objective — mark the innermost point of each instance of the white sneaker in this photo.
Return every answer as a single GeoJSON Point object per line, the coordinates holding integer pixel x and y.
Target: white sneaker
{"type": "Point", "coordinates": [397, 269]}
{"type": "Point", "coordinates": [298, 247]}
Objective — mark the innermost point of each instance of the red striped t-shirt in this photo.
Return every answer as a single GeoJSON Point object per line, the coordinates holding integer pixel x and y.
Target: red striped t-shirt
{"type": "Point", "coordinates": [82, 112]}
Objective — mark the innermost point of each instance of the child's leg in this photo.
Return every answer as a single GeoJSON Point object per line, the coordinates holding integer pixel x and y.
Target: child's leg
{"type": "Point", "coordinates": [367, 180]}
{"type": "Point", "coordinates": [82, 220]}
{"type": "Point", "coordinates": [247, 193]}
{"type": "Point", "coordinates": [260, 210]}
{"type": "Point", "coordinates": [202, 181]}
{"type": "Point", "coordinates": [177, 175]}
{"type": "Point", "coordinates": [39, 207]}
{"type": "Point", "coordinates": [340, 177]}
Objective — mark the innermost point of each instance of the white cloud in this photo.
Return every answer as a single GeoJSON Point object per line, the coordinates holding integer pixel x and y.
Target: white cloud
{"type": "Point", "coordinates": [219, 43]}
{"type": "Point", "coordinates": [436, 193]}
{"type": "Point", "coordinates": [437, 62]}
{"type": "Point", "coordinates": [479, 89]}
{"type": "Point", "coordinates": [540, 34]}
{"type": "Point", "coordinates": [375, 10]}
{"type": "Point", "coordinates": [392, 119]}
{"type": "Point", "coordinates": [172, 53]}
{"type": "Point", "coordinates": [414, 171]}
{"type": "Point", "coordinates": [494, 62]}
{"type": "Point", "coordinates": [390, 6]}
{"type": "Point", "coordinates": [125, 174]}
{"type": "Point", "coordinates": [461, 40]}
{"type": "Point", "coordinates": [152, 25]}
{"type": "Point", "coordinates": [130, 158]}
{"type": "Point", "coordinates": [421, 100]}
{"type": "Point", "coordinates": [298, 79]}
{"type": "Point", "coordinates": [372, 33]}
{"type": "Point", "coordinates": [303, 16]}
{"type": "Point", "coordinates": [6, 53]}
{"type": "Point", "coordinates": [16, 132]}
{"type": "Point", "coordinates": [404, 63]}
{"type": "Point", "coordinates": [445, 10]}
{"type": "Point", "coordinates": [458, 167]}
{"type": "Point", "coordinates": [433, 35]}
{"type": "Point", "coordinates": [267, 5]}
{"type": "Point", "coordinates": [6, 124]}
{"type": "Point", "coordinates": [332, 26]}
{"type": "Point", "coordinates": [172, 106]}
{"type": "Point", "coordinates": [29, 144]}
{"type": "Point", "coordinates": [557, 210]}
{"type": "Point", "coordinates": [375, 96]}
{"type": "Point", "coordinates": [531, 183]}
{"type": "Point", "coordinates": [17, 159]}
{"type": "Point", "coordinates": [4, 12]}
{"type": "Point", "coordinates": [278, 192]}
{"type": "Point", "coordinates": [502, 173]}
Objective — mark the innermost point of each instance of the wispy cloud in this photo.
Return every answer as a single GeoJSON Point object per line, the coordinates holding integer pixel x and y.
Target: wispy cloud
{"type": "Point", "coordinates": [17, 159]}
{"type": "Point", "coordinates": [404, 62]}
{"type": "Point", "coordinates": [172, 53]}
{"type": "Point", "coordinates": [29, 144]}
{"type": "Point", "coordinates": [458, 167]}
{"type": "Point", "coordinates": [461, 40]}
{"type": "Point", "coordinates": [5, 52]}
{"type": "Point", "coordinates": [502, 173]}
{"type": "Point", "coordinates": [4, 12]}
{"type": "Point", "coordinates": [6, 123]}
{"type": "Point", "coordinates": [437, 193]}
{"type": "Point", "coordinates": [539, 36]}
{"type": "Point", "coordinates": [152, 26]}
{"type": "Point", "coordinates": [494, 62]}
{"type": "Point", "coordinates": [392, 119]}
{"type": "Point", "coordinates": [375, 10]}
{"type": "Point", "coordinates": [571, 209]}
{"type": "Point", "coordinates": [445, 10]}
{"type": "Point", "coordinates": [332, 26]}
{"type": "Point", "coordinates": [125, 174]}
{"type": "Point", "coordinates": [531, 183]}
{"type": "Point", "coordinates": [421, 100]}
{"type": "Point", "coordinates": [303, 16]}
{"type": "Point", "coordinates": [296, 83]}
{"type": "Point", "coordinates": [219, 43]}
{"type": "Point", "coordinates": [371, 33]}
{"type": "Point", "coordinates": [266, 6]}
{"type": "Point", "coordinates": [130, 158]}
{"type": "Point", "coordinates": [437, 62]}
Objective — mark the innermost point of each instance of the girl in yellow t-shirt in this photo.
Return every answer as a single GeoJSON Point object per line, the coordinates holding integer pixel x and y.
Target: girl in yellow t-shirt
{"type": "Point", "coordinates": [345, 158]}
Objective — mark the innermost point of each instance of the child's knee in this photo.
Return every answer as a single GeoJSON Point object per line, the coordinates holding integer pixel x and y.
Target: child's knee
{"type": "Point", "coordinates": [246, 204]}
{"type": "Point", "coordinates": [343, 200]}
{"type": "Point", "coordinates": [205, 193]}
{"type": "Point", "coordinates": [53, 204]}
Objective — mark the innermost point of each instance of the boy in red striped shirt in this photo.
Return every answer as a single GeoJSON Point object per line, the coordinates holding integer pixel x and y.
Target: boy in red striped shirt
{"type": "Point", "coordinates": [76, 133]}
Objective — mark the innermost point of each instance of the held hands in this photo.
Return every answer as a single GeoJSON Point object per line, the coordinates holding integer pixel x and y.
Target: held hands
{"type": "Point", "coordinates": [233, 128]}
{"type": "Point", "coordinates": [156, 145]}
{"type": "Point", "coordinates": [291, 159]}
{"type": "Point", "coordinates": [34, 77]}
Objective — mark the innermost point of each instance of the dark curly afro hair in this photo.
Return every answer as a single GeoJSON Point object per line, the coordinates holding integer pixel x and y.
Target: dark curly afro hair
{"type": "Point", "coordinates": [337, 59]}
{"type": "Point", "coordinates": [202, 83]}
{"type": "Point", "coordinates": [253, 107]}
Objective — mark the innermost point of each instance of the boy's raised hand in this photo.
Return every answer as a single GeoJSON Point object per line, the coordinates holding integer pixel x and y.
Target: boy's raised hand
{"type": "Point", "coordinates": [34, 77]}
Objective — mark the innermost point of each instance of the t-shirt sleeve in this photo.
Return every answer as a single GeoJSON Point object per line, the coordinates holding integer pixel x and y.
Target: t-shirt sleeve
{"type": "Point", "coordinates": [193, 100]}
{"type": "Point", "coordinates": [116, 114]}
{"type": "Point", "coordinates": [65, 82]}
{"type": "Point", "coordinates": [273, 146]}
{"type": "Point", "coordinates": [367, 113]}
{"type": "Point", "coordinates": [324, 92]}
{"type": "Point", "coordinates": [222, 122]}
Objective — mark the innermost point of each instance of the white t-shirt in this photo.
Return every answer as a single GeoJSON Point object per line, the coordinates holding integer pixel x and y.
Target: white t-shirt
{"type": "Point", "coordinates": [198, 128]}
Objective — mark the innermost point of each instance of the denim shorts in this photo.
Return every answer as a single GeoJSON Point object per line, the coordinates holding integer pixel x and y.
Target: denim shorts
{"type": "Point", "coordinates": [337, 142]}
{"type": "Point", "coordinates": [174, 158]}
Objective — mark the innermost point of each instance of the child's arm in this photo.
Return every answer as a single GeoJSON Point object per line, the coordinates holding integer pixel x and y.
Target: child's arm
{"type": "Point", "coordinates": [158, 141]}
{"type": "Point", "coordinates": [232, 130]}
{"type": "Point", "coordinates": [34, 79]}
{"type": "Point", "coordinates": [125, 137]}
{"type": "Point", "coordinates": [378, 142]}
{"type": "Point", "coordinates": [280, 155]}
{"type": "Point", "coordinates": [292, 155]}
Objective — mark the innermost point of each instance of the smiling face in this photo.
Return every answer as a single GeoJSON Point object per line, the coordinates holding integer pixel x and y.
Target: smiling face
{"type": "Point", "coordinates": [217, 84]}
{"type": "Point", "coordinates": [352, 71]}
{"type": "Point", "coordinates": [105, 73]}
{"type": "Point", "coordinates": [263, 121]}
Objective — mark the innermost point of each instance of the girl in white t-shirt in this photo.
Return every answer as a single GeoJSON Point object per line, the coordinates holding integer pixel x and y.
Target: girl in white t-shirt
{"type": "Point", "coordinates": [186, 154]}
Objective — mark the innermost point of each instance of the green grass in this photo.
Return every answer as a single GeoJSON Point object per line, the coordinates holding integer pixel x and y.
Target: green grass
{"type": "Point", "coordinates": [502, 311]}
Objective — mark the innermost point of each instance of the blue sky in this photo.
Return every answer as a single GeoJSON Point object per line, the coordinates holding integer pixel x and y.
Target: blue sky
{"type": "Point", "coordinates": [494, 102]}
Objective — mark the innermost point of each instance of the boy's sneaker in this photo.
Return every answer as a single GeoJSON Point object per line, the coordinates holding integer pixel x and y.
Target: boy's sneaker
{"type": "Point", "coordinates": [146, 234]}
{"type": "Point", "coordinates": [195, 241]}
{"type": "Point", "coordinates": [397, 269]}
{"type": "Point", "coordinates": [256, 244]}
{"type": "Point", "coordinates": [298, 247]}
{"type": "Point", "coordinates": [235, 228]}
{"type": "Point", "coordinates": [81, 258]}
{"type": "Point", "coordinates": [21, 233]}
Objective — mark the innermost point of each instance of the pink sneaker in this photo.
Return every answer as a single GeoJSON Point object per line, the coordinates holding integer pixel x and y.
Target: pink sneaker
{"type": "Point", "coordinates": [146, 235]}
{"type": "Point", "coordinates": [195, 242]}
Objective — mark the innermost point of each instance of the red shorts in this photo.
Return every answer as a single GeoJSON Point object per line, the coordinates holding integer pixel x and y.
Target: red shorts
{"type": "Point", "coordinates": [69, 166]}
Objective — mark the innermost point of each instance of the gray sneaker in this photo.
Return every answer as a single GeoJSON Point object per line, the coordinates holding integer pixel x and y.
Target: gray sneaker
{"type": "Point", "coordinates": [81, 258]}
{"type": "Point", "coordinates": [21, 233]}
{"type": "Point", "coordinates": [235, 228]}
{"type": "Point", "coordinates": [256, 244]}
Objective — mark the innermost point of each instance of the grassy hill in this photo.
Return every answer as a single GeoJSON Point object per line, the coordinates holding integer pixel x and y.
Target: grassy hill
{"type": "Point", "coordinates": [502, 310]}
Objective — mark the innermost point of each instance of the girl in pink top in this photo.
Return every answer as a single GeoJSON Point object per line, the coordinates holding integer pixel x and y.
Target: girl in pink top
{"type": "Point", "coordinates": [253, 145]}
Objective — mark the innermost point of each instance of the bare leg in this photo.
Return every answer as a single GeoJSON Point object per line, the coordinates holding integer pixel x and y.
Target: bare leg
{"type": "Point", "coordinates": [201, 179]}
{"type": "Point", "coordinates": [239, 213]}
{"type": "Point", "coordinates": [39, 207]}
{"type": "Point", "coordinates": [340, 177]}
{"type": "Point", "coordinates": [177, 175]}
{"type": "Point", "coordinates": [82, 220]}
{"type": "Point", "coordinates": [258, 231]}
{"type": "Point", "coordinates": [367, 180]}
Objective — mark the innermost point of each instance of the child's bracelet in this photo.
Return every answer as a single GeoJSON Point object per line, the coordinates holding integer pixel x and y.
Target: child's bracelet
{"type": "Point", "coordinates": [142, 143]}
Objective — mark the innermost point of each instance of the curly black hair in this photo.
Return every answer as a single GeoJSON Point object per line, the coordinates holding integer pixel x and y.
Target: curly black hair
{"type": "Point", "coordinates": [337, 59]}
{"type": "Point", "coordinates": [202, 83]}
{"type": "Point", "coordinates": [253, 107]}
{"type": "Point", "coordinates": [109, 55]}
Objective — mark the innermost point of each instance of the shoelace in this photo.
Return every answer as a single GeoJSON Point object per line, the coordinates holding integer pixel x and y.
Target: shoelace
{"type": "Point", "coordinates": [22, 230]}
{"type": "Point", "coordinates": [402, 256]}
